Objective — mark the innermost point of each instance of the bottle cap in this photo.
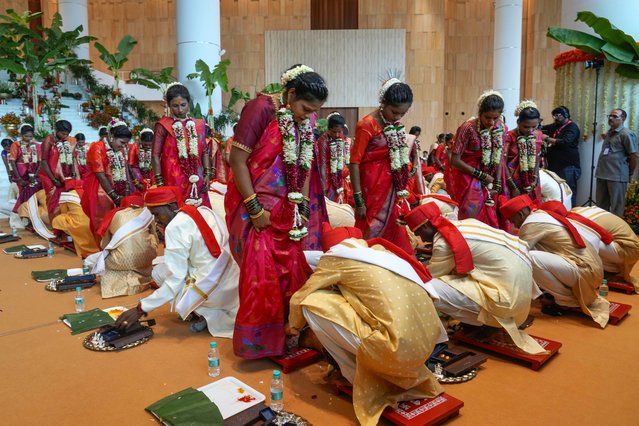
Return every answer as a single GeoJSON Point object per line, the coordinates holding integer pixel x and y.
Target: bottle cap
{"type": "Point", "coordinates": [78, 288]}
{"type": "Point", "coordinates": [276, 374]}
{"type": "Point", "coordinates": [214, 344]}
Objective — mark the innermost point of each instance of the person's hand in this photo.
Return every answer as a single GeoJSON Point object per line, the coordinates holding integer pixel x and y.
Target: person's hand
{"type": "Point", "coordinates": [360, 212]}
{"type": "Point", "coordinates": [58, 183]}
{"type": "Point", "coordinates": [21, 182]}
{"type": "Point", "coordinates": [116, 200]}
{"type": "Point", "coordinates": [514, 192]}
{"type": "Point", "coordinates": [262, 222]}
{"type": "Point", "coordinates": [488, 179]}
{"type": "Point", "coordinates": [127, 319]}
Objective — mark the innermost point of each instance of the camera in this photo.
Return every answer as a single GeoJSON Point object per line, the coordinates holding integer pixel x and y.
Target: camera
{"type": "Point", "coordinates": [595, 64]}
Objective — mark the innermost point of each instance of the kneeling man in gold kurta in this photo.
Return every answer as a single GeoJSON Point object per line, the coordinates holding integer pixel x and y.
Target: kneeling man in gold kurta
{"type": "Point", "coordinates": [370, 310]}
{"type": "Point", "coordinates": [484, 274]}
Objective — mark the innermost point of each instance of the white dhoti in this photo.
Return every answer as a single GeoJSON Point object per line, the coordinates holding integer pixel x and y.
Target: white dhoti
{"type": "Point", "coordinates": [612, 261]}
{"type": "Point", "coordinates": [555, 275]}
{"type": "Point", "coordinates": [453, 303]}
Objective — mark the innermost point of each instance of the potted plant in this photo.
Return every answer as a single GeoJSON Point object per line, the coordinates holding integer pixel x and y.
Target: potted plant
{"type": "Point", "coordinates": [10, 121]}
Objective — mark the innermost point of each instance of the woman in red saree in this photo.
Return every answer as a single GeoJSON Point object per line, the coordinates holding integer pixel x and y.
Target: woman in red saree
{"type": "Point", "coordinates": [523, 152]}
{"type": "Point", "coordinates": [80, 156]}
{"type": "Point", "coordinates": [108, 179]}
{"type": "Point", "coordinates": [56, 164]}
{"type": "Point", "coordinates": [476, 172]}
{"type": "Point", "coordinates": [139, 160]}
{"type": "Point", "coordinates": [179, 154]}
{"type": "Point", "coordinates": [331, 149]}
{"type": "Point", "coordinates": [379, 167]}
{"type": "Point", "coordinates": [24, 157]}
{"type": "Point", "coordinates": [274, 208]}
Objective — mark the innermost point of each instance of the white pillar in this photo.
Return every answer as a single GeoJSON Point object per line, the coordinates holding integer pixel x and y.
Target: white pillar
{"type": "Point", "coordinates": [507, 54]}
{"type": "Point", "coordinates": [75, 13]}
{"type": "Point", "coordinates": [198, 37]}
{"type": "Point", "coordinates": [623, 15]}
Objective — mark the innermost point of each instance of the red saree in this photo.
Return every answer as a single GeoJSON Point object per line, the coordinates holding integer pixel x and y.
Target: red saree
{"type": "Point", "coordinates": [80, 169]}
{"type": "Point", "coordinates": [272, 266]}
{"type": "Point", "coordinates": [143, 175]}
{"type": "Point", "coordinates": [172, 171]}
{"type": "Point", "coordinates": [370, 151]}
{"type": "Point", "coordinates": [24, 170]}
{"type": "Point", "coordinates": [512, 162]}
{"type": "Point", "coordinates": [51, 155]}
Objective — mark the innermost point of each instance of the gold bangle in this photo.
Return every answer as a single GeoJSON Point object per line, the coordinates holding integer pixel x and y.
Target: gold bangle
{"type": "Point", "coordinates": [257, 215]}
{"type": "Point", "coordinates": [250, 198]}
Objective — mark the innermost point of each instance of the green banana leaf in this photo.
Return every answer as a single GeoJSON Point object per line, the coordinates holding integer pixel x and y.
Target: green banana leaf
{"type": "Point", "coordinates": [187, 407]}
{"type": "Point", "coordinates": [85, 321]}
{"type": "Point", "coordinates": [583, 41]}
{"type": "Point", "coordinates": [49, 275]}
{"type": "Point", "coordinates": [628, 71]}
{"type": "Point", "coordinates": [609, 33]}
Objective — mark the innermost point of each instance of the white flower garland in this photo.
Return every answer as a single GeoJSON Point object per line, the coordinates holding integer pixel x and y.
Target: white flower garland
{"type": "Point", "coordinates": [117, 163]}
{"type": "Point", "coordinates": [66, 156]}
{"type": "Point", "coordinates": [387, 85]}
{"type": "Point", "coordinates": [297, 158]}
{"type": "Point", "coordinates": [29, 153]}
{"type": "Point", "coordinates": [491, 145]}
{"type": "Point", "coordinates": [527, 153]}
{"type": "Point", "coordinates": [145, 158]}
{"type": "Point", "coordinates": [178, 130]}
{"type": "Point", "coordinates": [293, 73]}
{"type": "Point", "coordinates": [398, 152]}
{"type": "Point", "coordinates": [82, 155]}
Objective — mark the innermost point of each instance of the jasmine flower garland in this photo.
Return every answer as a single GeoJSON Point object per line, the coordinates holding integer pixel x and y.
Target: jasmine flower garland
{"type": "Point", "coordinates": [297, 158]}
{"type": "Point", "coordinates": [527, 160]}
{"type": "Point", "coordinates": [336, 147]}
{"type": "Point", "coordinates": [399, 156]}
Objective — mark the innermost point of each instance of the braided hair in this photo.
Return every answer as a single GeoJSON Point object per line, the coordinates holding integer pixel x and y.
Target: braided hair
{"type": "Point", "coordinates": [309, 86]}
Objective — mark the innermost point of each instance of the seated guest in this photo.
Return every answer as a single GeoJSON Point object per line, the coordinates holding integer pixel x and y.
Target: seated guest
{"type": "Point", "coordinates": [198, 274]}
{"type": "Point", "coordinates": [564, 265]}
{"type": "Point", "coordinates": [380, 335]}
{"type": "Point", "coordinates": [485, 275]}
{"type": "Point", "coordinates": [129, 245]}
{"type": "Point", "coordinates": [73, 221]}
{"type": "Point", "coordinates": [621, 255]}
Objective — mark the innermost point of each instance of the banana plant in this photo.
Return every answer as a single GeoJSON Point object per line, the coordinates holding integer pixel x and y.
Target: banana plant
{"type": "Point", "coordinates": [210, 80]}
{"type": "Point", "coordinates": [617, 46]}
{"type": "Point", "coordinates": [115, 61]}
{"type": "Point", "coordinates": [152, 80]}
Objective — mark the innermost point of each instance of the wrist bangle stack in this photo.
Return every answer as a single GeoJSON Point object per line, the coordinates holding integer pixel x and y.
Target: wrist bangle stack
{"type": "Point", "coordinates": [158, 179]}
{"type": "Point", "coordinates": [253, 207]}
{"type": "Point", "coordinates": [479, 174]}
{"type": "Point", "coordinates": [498, 186]}
{"type": "Point", "coordinates": [305, 211]}
{"type": "Point", "coordinates": [359, 199]}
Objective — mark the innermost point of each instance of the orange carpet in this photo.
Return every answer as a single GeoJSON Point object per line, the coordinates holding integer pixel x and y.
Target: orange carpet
{"type": "Point", "coordinates": [49, 378]}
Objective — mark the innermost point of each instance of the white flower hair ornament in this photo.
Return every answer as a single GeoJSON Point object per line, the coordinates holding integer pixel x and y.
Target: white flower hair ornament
{"type": "Point", "coordinates": [168, 86]}
{"type": "Point", "coordinates": [333, 114]}
{"type": "Point", "coordinates": [526, 103]}
{"type": "Point", "coordinates": [486, 94]}
{"type": "Point", "coordinates": [116, 122]}
{"type": "Point", "coordinates": [293, 73]}
{"type": "Point", "coordinates": [146, 130]}
{"type": "Point", "coordinates": [387, 85]}
{"type": "Point", "coordinates": [22, 125]}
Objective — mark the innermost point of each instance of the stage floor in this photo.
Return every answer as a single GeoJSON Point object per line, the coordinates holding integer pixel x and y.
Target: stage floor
{"type": "Point", "coordinates": [49, 378]}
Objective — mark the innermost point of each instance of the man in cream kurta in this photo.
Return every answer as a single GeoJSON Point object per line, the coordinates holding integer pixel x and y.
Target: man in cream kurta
{"type": "Point", "coordinates": [484, 274]}
{"type": "Point", "coordinates": [620, 256]}
{"type": "Point", "coordinates": [564, 265]}
{"type": "Point", "coordinates": [369, 309]}
{"type": "Point", "coordinates": [189, 276]}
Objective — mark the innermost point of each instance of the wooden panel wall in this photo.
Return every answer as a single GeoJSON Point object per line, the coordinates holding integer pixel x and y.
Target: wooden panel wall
{"type": "Point", "coordinates": [338, 55]}
{"type": "Point", "coordinates": [17, 5]}
{"type": "Point", "coordinates": [243, 25]}
{"type": "Point", "coordinates": [469, 58]}
{"type": "Point", "coordinates": [334, 14]}
{"type": "Point", "coordinates": [150, 22]}
{"type": "Point", "coordinates": [425, 44]}
{"type": "Point", "coordinates": [538, 81]}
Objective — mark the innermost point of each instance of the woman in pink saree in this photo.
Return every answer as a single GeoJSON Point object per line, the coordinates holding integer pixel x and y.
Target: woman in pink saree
{"type": "Point", "coordinates": [477, 164]}
{"type": "Point", "coordinates": [24, 157]}
{"type": "Point", "coordinates": [274, 208]}
{"type": "Point", "coordinates": [56, 164]}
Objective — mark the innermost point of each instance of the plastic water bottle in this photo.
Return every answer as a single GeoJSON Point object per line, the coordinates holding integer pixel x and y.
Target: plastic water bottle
{"type": "Point", "coordinates": [603, 288]}
{"type": "Point", "coordinates": [214, 360]}
{"type": "Point", "coordinates": [79, 300]}
{"type": "Point", "coordinates": [14, 232]}
{"type": "Point", "coordinates": [277, 392]}
{"type": "Point", "coordinates": [85, 267]}
{"type": "Point", "coordinates": [50, 249]}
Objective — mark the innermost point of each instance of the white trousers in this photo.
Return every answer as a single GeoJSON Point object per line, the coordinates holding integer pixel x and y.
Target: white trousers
{"type": "Point", "coordinates": [555, 275]}
{"type": "Point", "coordinates": [455, 304]}
{"type": "Point", "coordinates": [612, 261]}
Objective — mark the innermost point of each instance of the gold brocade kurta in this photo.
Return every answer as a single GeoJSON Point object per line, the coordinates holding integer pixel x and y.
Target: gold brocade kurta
{"type": "Point", "coordinates": [128, 267]}
{"type": "Point", "coordinates": [626, 241]}
{"type": "Point", "coordinates": [73, 221]}
{"type": "Point", "coordinates": [501, 283]}
{"type": "Point", "coordinates": [556, 239]}
{"type": "Point", "coordinates": [395, 320]}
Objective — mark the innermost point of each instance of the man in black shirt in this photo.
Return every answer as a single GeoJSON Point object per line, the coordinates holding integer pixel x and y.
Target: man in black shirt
{"type": "Point", "coordinates": [562, 138]}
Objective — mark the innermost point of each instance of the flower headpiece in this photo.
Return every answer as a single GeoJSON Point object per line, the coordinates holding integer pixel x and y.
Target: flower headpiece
{"type": "Point", "coordinates": [22, 125]}
{"type": "Point", "coordinates": [146, 130]}
{"type": "Point", "coordinates": [486, 94]}
{"type": "Point", "coordinates": [116, 122]}
{"type": "Point", "coordinates": [526, 103]}
{"type": "Point", "coordinates": [387, 85]}
{"type": "Point", "coordinates": [293, 73]}
{"type": "Point", "coordinates": [332, 114]}
{"type": "Point", "coordinates": [168, 86]}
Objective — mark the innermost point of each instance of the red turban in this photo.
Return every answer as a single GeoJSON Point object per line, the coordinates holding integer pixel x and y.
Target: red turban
{"type": "Point", "coordinates": [70, 184]}
{"type": "Point", "coordinates": [417, 266]}
{"type": "Point", "coordinates": [331, 237]}
{"type": "Point", "coordinates": [428, 170]}
{"type": "Point", "coordinates": [161, 196]}
{"type": "Point", "coordinates": [430, 213]}
{"type": "Point", "coordinates": [560, 209]}
{"type": "Point", "coordinates": [509, 208]}
{"type": "Point", "coordinates": [132, 200]}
